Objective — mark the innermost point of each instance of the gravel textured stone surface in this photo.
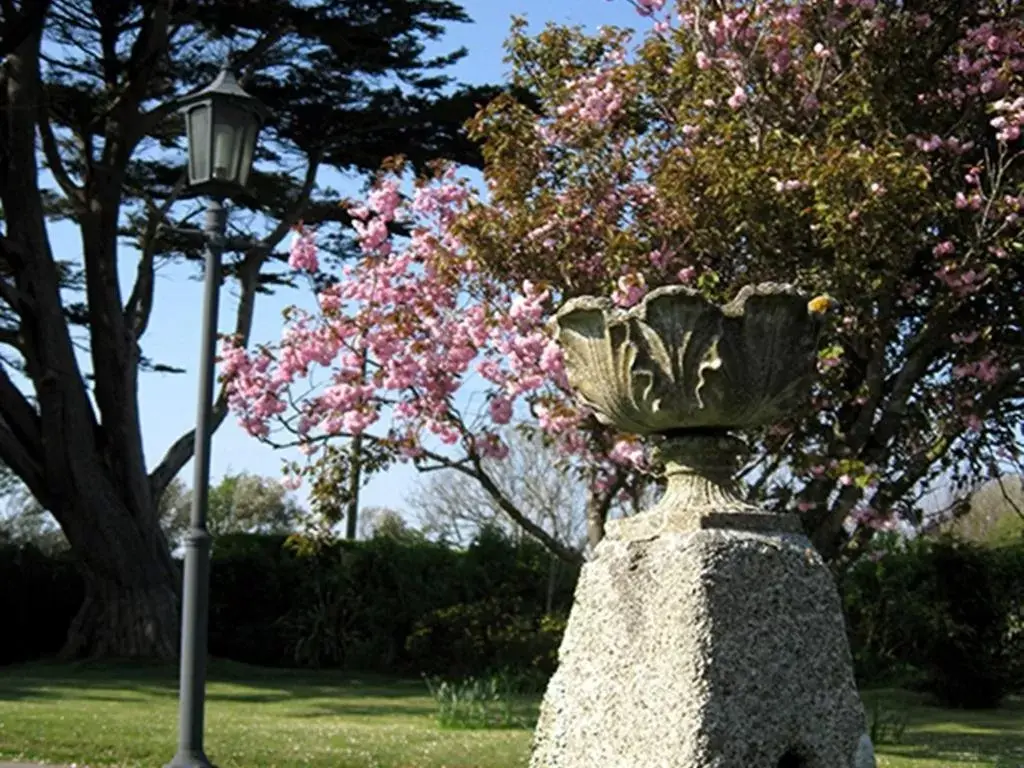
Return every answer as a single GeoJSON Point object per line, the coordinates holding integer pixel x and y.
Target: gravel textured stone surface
{"type": "Point", "coordinates": [704, 649]}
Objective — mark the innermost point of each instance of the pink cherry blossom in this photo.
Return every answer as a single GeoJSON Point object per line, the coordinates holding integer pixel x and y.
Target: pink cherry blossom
{"type": "Point", "coordinates": [630, 289]}
{"type": "Point", "coordinates": [648, 7]}
{"type": "Point", "coordinates": [738, 98]}
{"type": "Point", "coordinates": [686, 274]}
{"type": "Point", "coordinates": [302, 255]}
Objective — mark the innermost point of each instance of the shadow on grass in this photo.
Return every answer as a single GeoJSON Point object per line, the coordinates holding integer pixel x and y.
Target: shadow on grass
{"type": "Point", "coordinates": [103, 681]}
{"type": "Point", "coordinates": [343, 709]}
{"type": "Point", "coordinates": [959, 749]}
{"type": "Point", "coordinates": [953, 736]}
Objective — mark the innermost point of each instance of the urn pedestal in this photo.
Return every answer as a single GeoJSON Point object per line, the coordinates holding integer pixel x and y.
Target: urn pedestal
{"type": "Point", "coordinates": [705, 632]}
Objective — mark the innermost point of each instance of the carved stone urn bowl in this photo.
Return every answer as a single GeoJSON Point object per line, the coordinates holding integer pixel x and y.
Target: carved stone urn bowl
{"type": "Point", "coordinates": [680, 367]}
{"type": "Point", "coordinates": [675, 361]}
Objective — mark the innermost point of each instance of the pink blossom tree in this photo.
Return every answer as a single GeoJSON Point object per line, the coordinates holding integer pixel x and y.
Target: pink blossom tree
{"type": "Point", "coordinates": [427, 360]}
{"type": "Point", "coordinates": [867, 149]}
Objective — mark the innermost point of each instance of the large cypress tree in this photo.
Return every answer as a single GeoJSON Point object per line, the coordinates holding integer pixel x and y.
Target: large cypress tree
{"type": "Point", "coordinates": [87, 93]}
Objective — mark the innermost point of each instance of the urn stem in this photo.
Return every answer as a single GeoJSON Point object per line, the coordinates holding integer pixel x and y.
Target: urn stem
{"type": "Point", "coordinates": [700, 472]}
{"type": "Point", "coordinates": [701, 491]}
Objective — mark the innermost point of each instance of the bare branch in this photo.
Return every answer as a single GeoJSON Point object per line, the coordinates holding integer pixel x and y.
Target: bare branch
{"type": "Point", "coordinates": [1010, 501]}
{"type": "Point", "coordinates": [478, 473]}
{"type": "Point", "coordinates": [294, 212]}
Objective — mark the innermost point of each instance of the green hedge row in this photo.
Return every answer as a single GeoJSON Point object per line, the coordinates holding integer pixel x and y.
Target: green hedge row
{"type": "Point", "coordinates": [378, 605]}
{"type": "Point", "coordinates": [941, 614]}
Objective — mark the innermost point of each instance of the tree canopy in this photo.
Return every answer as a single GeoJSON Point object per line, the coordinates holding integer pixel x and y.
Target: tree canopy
{"type": "Point", "coordinates": [865, 149]}
{"type": "Point", "coordinates": [90, 136]}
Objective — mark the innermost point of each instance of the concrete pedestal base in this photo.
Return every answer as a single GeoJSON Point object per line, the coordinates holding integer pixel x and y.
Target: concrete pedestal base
{"type": "Point", "coordinates": [704, 649]}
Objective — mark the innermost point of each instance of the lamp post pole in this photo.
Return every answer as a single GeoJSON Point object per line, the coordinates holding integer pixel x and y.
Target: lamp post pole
{"type": "Point", "coordinates": [196, 587]}
{"type": "Point", "coordinates": [222, 121]}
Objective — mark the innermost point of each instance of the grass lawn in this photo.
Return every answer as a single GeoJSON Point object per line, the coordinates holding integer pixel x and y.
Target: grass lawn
{"type": "Point", "coordinates": [127, 716]}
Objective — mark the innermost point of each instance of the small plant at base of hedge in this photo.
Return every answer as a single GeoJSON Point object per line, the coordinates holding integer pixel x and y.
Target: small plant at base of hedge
{"type": "Point", "coordinates": [886, 728]}
{"type": "Point", "coordinates": [476, 702]}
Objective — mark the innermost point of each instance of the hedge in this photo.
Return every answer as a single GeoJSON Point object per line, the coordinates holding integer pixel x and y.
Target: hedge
{"type": "Point", "coordinates": [939, 614]}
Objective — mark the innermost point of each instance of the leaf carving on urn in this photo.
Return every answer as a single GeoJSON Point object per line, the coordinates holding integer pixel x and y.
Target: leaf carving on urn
{"type": "Point", "coordinates": [675, 360]}
{"type": "Point", "coordinates": [712, 362]}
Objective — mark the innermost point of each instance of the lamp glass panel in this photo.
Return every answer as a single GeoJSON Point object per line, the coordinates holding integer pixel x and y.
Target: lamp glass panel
{"type": "Point", "coordinates": [228, 133]}
{"type": "Point", "coordinates": [248, 148]}
{"type": "Point", "coordinates": [199, 143]}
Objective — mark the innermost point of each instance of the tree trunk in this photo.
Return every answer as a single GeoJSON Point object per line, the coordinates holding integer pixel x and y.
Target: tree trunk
{"type": "Point", "coordinates": [88, 470]}
{"type": "Point", "coordinates": [122, 620]}
{"type": "Point", "coordinates": [131, 582]}
{"type": "Point", "coordinates": [355, 471]}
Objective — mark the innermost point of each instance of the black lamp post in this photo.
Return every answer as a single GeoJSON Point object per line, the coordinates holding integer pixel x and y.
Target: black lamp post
{"type": "Point", "coordinates": [223, 122]}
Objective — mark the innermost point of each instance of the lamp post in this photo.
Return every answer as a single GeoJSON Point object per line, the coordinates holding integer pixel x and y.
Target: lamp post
{"type": "Point", "coordinates": [223, 122]}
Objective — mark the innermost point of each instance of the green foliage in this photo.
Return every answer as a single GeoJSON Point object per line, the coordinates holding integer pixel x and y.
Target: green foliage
{"type": "Point", "coordinates": [474, 636]}
{"type": "Point", "coordinates": [942, 614]}
{"type": "Point", "coordinates": [380, 604]}
{"type": "Point", "coordinates": [239, 503]}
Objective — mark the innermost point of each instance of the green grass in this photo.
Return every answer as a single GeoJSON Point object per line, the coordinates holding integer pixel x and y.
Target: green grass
{"type": "Point", "coordinates": [101, 715]}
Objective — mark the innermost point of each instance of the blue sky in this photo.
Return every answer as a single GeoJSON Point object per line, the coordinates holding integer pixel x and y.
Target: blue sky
{"type": "Point", "coordinates": [168, 402]}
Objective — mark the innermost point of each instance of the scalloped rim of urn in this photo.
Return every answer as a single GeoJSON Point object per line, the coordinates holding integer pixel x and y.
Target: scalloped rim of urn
{"type": "Point", "coordinates": [734, 308]}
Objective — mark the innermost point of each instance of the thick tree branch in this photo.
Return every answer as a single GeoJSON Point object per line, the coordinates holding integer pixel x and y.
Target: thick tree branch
{"type": "Point", "coordinates": [139, 307]}
{"type": "Point", "coordinates": [874, 377]}
{"type": "Point", "coordinates": [20, 417]}
{"type": "Point", "coordinates": [27, 467]}
{"type": "Point", "coordinates": [11, 337]}
{"type": "Point", "coordinates": [150, 44]}
{"type": "Point", "coordinates": [9, 293]}
{"type": "Point", "coordinates": [920, 355]}
{"type": "Point", "coordinates": [16, 26]}
{"type": "Point", "coordinates": [917, 467]}
{"type": "Point", "coordinates": [52, 154]}
{"type": "Point", "coordinates": [598, 506]}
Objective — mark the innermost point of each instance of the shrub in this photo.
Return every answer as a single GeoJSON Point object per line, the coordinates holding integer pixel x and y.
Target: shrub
{"type": "Point", "coordinates": [389, 605]}
{"type": "Point", "coordinates": [39, 597]}
{"type": "Point", "coordinates": [943, 613]}
{"type": "Point", "coordinates": [486, 635]}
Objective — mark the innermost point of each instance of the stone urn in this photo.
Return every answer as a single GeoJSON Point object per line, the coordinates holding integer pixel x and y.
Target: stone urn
{"type": "Point", "coordinates": [705, 632]}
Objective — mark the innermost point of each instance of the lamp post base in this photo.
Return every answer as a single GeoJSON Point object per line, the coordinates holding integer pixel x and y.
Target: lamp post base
{"type": "Point", "coordinates": [190, 759]}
